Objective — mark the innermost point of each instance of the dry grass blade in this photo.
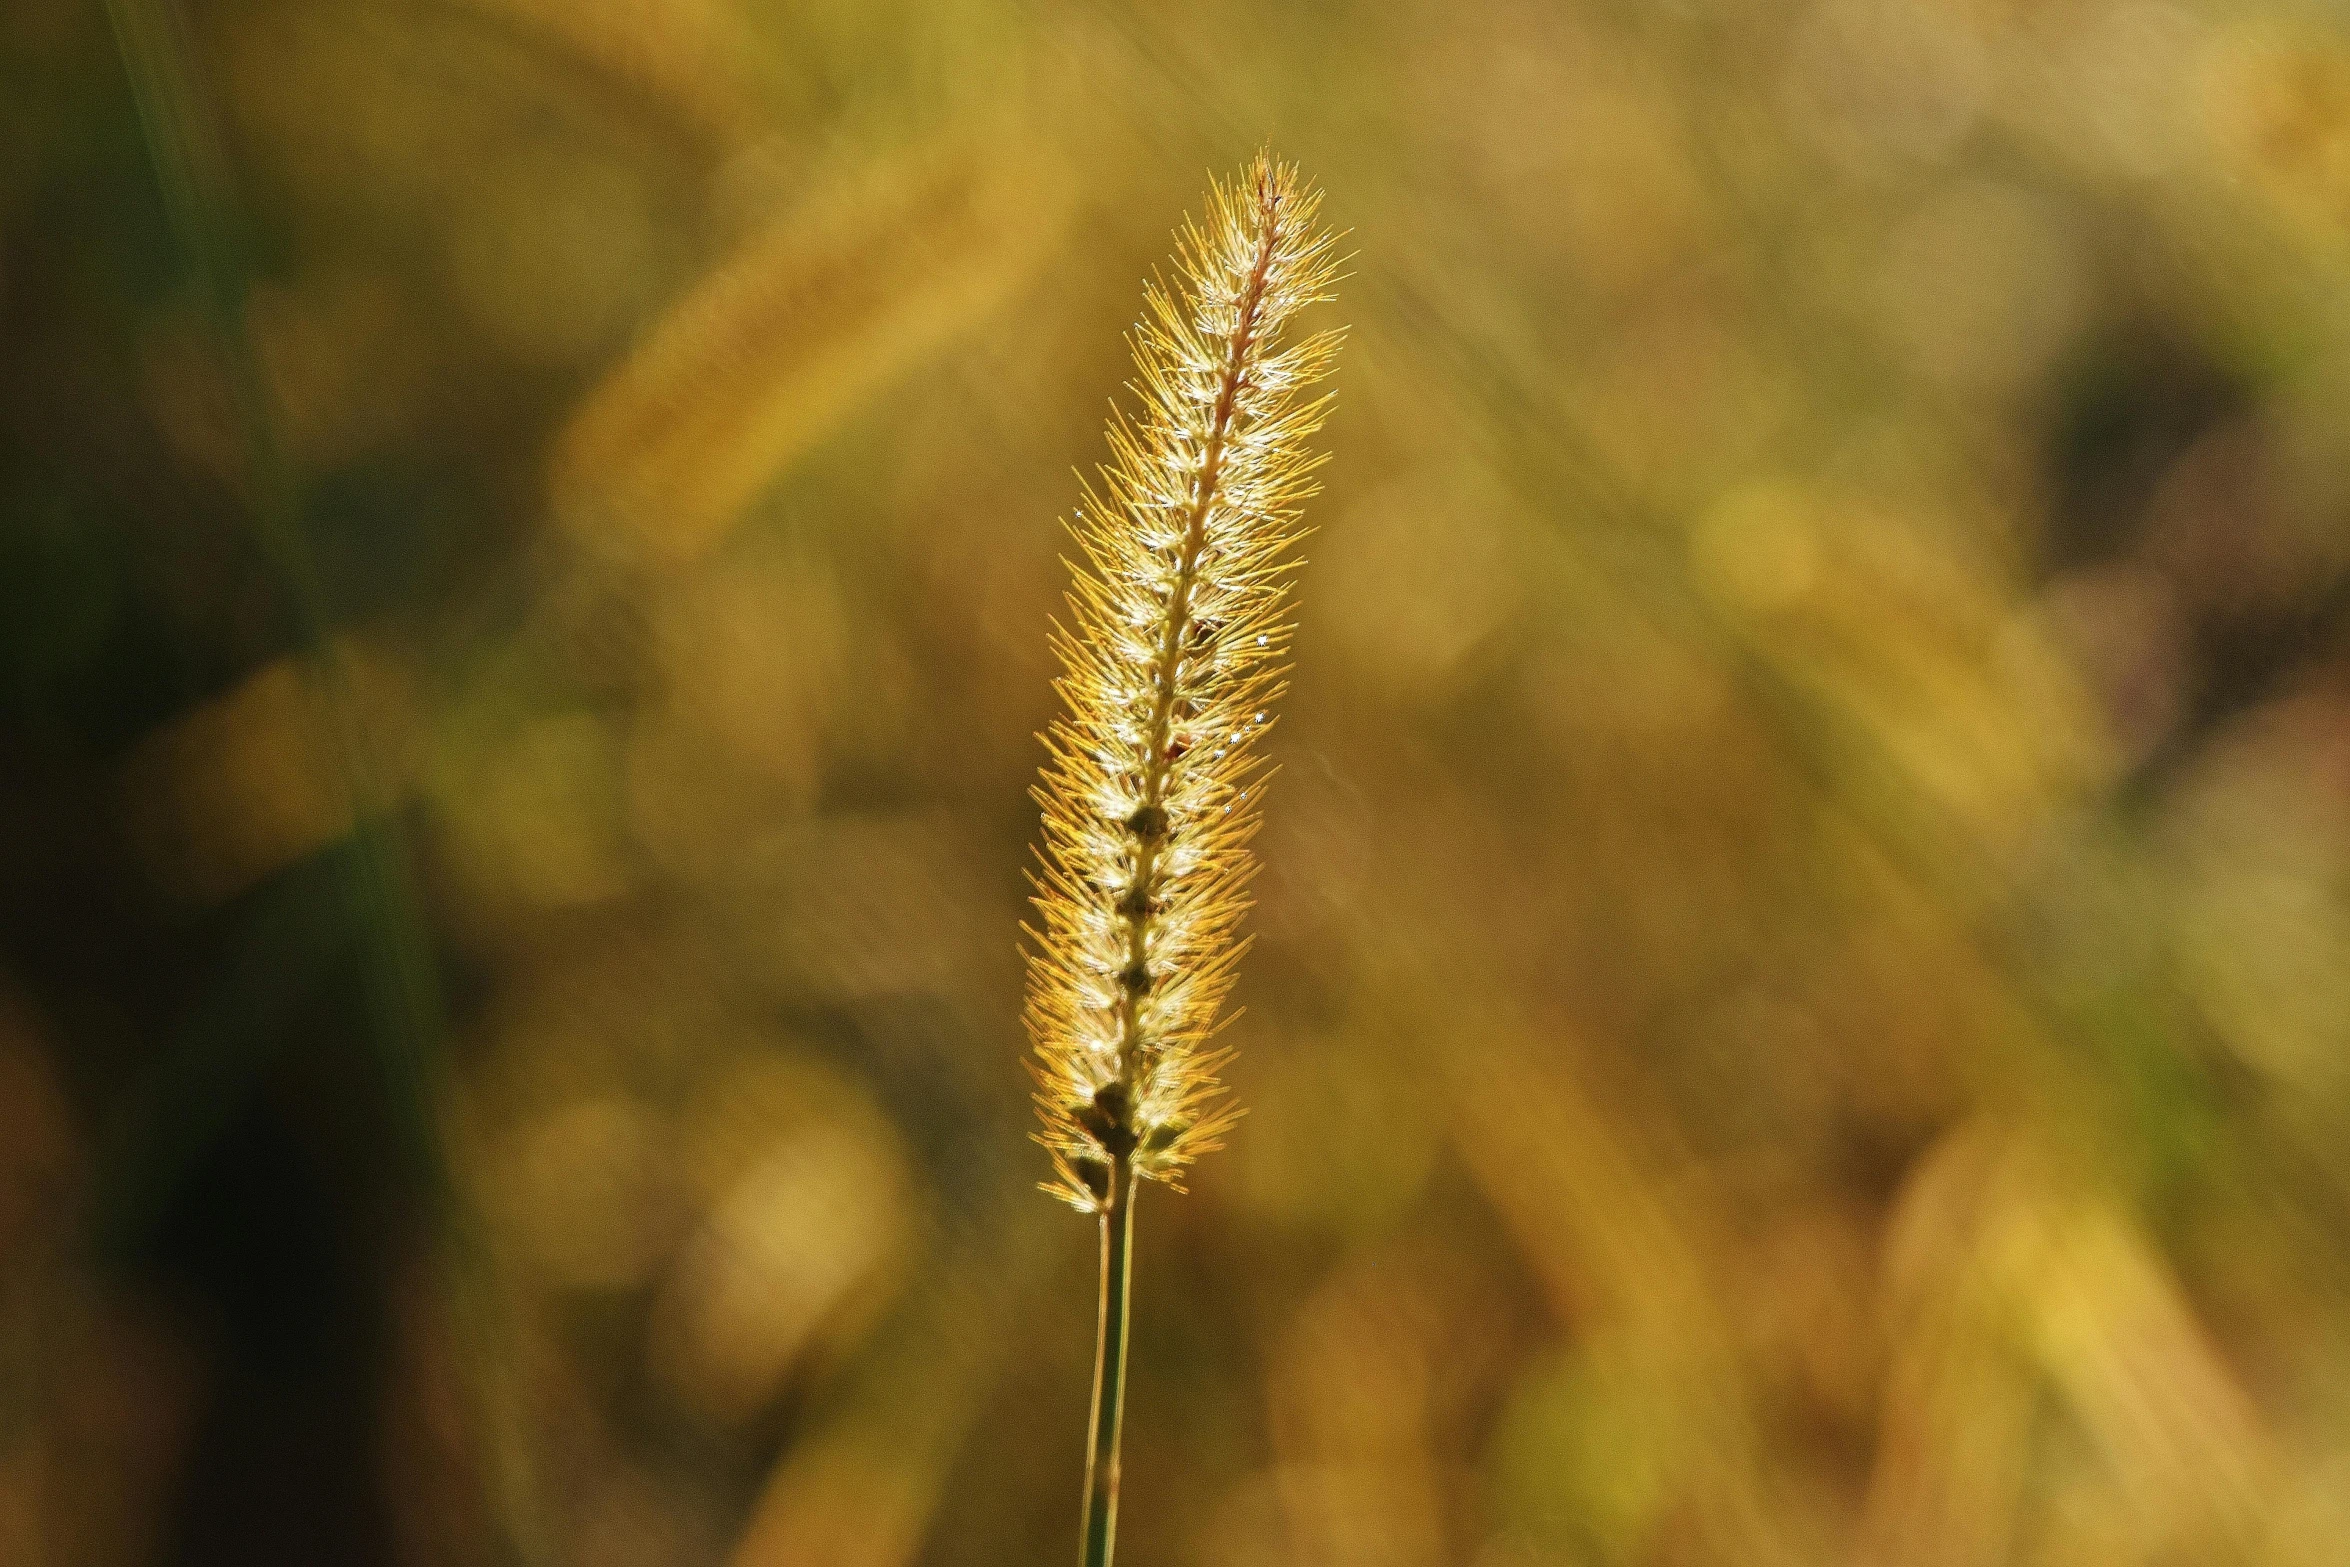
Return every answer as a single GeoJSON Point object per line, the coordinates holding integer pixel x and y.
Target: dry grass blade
{"type": "Point", "coordinates": [780, 344]}
{"type": "Point", "coordinates": [691, 59]}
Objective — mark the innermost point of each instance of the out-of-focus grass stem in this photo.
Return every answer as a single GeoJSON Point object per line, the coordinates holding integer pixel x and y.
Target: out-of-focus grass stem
{"type": "Point", "coordinates": [191, 169]}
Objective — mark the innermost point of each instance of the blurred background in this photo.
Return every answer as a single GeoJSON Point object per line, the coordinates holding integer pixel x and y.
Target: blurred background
{"type": "Point", "coordinates": [1802, 1003]}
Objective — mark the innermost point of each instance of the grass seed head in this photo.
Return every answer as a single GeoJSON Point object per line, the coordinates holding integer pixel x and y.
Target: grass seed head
{"type": "Point", "coordinates": [1172, 657]}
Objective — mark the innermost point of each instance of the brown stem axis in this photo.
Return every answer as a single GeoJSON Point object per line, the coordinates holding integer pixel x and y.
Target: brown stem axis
{"type": "Point", "coordinates": [1160, 749]}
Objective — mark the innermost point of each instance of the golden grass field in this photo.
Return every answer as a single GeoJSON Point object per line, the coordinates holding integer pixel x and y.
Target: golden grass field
{"type": "Point", "coordinates": [1800, 1006]}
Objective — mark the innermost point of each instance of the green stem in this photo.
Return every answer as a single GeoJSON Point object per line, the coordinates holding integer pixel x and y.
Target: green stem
{"type": "Point", "coordinates": [1109, 1369]}
{"type": "Point", "coordinates": [192, 170]}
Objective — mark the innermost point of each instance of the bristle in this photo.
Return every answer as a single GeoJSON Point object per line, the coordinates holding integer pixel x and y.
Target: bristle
{"type": "Point", "coordinates": [1172, 658]}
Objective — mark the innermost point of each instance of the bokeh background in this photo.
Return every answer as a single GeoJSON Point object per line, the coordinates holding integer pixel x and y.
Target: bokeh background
{"type": "Point", "coordinates": [1802, 1003]}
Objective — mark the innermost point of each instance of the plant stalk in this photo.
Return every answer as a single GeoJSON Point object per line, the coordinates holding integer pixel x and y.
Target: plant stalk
{"type": "Point", "coordinates": [1109, 1369]}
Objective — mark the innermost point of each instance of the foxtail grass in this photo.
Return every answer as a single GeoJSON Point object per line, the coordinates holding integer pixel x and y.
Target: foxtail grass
{"type": "Point", "coordinates": [1172, 657]}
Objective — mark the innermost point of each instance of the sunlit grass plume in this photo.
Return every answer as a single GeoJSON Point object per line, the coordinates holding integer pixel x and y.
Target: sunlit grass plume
{"type": "Point", "coordinates": [1172, 658]}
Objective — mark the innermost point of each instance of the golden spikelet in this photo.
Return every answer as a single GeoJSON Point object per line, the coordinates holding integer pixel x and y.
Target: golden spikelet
{"type": "Point", "coordinates": [1172, 660]}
